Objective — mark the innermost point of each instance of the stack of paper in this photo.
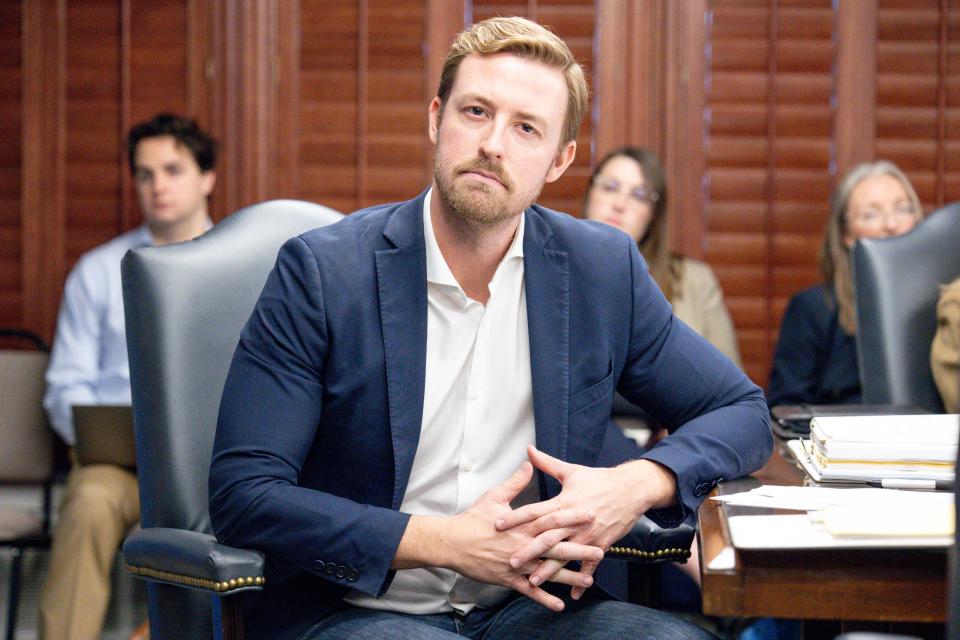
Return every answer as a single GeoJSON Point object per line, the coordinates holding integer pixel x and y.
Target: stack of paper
{"type": "Point", "coordinates": [855, 518]}
{"type": "Point", "coordinates": [875, 448]}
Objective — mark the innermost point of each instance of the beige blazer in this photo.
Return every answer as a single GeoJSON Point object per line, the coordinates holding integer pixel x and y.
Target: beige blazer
{"type": "Point", "coordinates": [945, 352]}
{"type": "Point", "coordinates": [700, 305]}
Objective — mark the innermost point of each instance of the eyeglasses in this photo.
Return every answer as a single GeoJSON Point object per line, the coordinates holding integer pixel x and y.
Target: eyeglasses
{"type": "Point", "coordinates": [612, 186]}
{"type": "Point", "coordinates": [874, 217]}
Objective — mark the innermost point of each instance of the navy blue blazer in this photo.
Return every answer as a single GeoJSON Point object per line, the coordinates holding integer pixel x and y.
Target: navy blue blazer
{"type": "Point", "coordinates": [322, 406]}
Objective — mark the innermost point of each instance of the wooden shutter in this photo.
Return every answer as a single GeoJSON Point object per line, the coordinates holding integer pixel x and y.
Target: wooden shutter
{"type": "Point", "coordinates": [917, 92]}
{"type": "Point", "coordinates": [11, 232]}
{"type": "Point", "coordinates": [362, 109]}
{"type": "Point", "coordinates": [768, 126]}
{"type": "Point", "coordinates": [92, 198]}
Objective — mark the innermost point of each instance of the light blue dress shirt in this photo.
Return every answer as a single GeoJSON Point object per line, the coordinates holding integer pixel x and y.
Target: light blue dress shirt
{"type": "Point", "coordinates": [88, 364]}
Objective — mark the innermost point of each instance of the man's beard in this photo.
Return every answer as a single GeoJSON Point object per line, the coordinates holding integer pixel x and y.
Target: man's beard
{"type": "Point", "coordinates": [477, 203]}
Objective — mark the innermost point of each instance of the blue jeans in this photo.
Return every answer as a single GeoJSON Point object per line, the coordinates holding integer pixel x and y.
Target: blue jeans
{"type": "Point", "coordinates": [588, 619]}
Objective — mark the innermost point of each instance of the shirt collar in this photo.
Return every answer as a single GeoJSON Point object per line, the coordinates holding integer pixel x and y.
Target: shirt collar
{"type": "Point", "coordinates": [145, 239]}
{"type": "Point", "coordinates": [438, 272]}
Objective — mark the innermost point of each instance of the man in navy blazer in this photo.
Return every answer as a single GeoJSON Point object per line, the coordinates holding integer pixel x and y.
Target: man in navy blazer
{"type": "Point", "coordinates": [404, 367]}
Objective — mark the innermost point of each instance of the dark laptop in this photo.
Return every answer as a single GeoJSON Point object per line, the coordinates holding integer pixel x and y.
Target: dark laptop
{"type": "Point", "coordinates": [105, 434]}
{"type": "Point", "coordinates": [793, 420]}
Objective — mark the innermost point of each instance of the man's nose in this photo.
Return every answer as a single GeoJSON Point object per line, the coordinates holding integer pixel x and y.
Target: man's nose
{"type": "Point", "coordinates": [491, 145]}
{"type": "Point", "coordinates": [159, 183]}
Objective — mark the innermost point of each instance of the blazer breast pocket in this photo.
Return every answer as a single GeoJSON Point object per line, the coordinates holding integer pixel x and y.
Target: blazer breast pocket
{"type": "Point", "coordinates": [593, 394]}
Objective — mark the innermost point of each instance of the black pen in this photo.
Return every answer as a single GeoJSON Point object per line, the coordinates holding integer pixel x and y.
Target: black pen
{"type": "Point", "coordinates": [911, 483]}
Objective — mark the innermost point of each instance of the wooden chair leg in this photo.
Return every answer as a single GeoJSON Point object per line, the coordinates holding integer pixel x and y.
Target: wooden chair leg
{"type": "Point", "coordinates": [227, 618]}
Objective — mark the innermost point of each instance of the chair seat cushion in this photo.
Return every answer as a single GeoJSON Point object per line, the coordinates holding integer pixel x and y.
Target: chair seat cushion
{"type": "Point", "coordinates": [18, 523]}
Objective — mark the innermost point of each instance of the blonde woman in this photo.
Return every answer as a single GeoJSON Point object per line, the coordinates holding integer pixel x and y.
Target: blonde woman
{"type": "Point", "coordinates": [816, 357]}
{"type": "Point", "coordinates": [628, 190]}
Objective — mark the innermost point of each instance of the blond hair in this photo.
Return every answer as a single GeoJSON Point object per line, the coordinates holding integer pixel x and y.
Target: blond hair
{"type": "Point", "coordinates": [834, 254]}
{"type": "Point", "coordinates": [526, 39]}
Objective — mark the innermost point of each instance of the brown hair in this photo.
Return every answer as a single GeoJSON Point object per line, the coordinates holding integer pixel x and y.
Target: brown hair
{"type": "Point", "coordinates": [834, 254]}
{"type": "Point", "coordinates": [526, 39]}
{"type": "Point", "coordinates": [185, 131]}
{"type": "Point", "coordinates": [665, 267]}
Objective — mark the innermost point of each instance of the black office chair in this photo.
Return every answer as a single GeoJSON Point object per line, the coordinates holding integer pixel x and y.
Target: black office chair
{"type": "Point", "coordinates": [185, 305]}
{"type": "Point", "coordinates": [897, 282]}
{"type": "Point", "coordinates": [27, 447]}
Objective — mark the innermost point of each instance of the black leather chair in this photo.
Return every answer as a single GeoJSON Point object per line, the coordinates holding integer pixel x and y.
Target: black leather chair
{"type": "Point", "coordinates": [897, 282]}
{"type": "Point", "coordinates": [185, 305]}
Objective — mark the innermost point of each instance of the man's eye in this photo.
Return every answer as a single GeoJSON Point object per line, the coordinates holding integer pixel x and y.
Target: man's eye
{"type": "Point", "coordinates": [527, 128]}
{"type": "Point", "coordinates": [475, 111]}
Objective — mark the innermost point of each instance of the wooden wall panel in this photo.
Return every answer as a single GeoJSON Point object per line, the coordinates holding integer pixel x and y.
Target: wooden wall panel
{"type": "Point", "coordinates": [396, 113]}
{"type": "Point", "coordinates": [11, 284]}
{"type": "Point", "coordinates": [768, 134]}
{"type": "Point", "coordinates": [92, 193]}
{"type": "Point", "coordinates": [910, 91]}
{"type": "Point", "coordinates": [89, 71]}
{"type": "Point", "coordinates": [328, 102]}
{"type": "Point", "coordinates": [754, 106]}
{"type": "Point", "coordinates": [153, 67]}
{"type": "Point", "coordinates": [951, 122]}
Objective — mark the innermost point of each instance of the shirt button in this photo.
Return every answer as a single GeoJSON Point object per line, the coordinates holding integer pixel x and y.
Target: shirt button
{"type": "Point", "coordinates": [474, 394]}
{"type": "Point", "coordinates": [468, 466]}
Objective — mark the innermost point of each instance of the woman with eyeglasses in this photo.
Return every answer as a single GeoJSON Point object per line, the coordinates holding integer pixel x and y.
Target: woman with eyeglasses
{"type": "Point", "coordinates": [815, 361]}
{"type": "Point", "coordinates": [628, 190]}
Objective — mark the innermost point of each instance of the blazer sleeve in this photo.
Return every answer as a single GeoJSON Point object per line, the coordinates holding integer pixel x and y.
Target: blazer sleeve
{"type": "Point", "coordinates": [269, 415]}
{"type": "Point", "coordinates": [945, 353]}
{"type": "Point", "coordinates": [718, 421]}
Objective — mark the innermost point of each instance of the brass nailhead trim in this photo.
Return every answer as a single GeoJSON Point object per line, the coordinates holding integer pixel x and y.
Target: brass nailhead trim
{"type": "Point", "coordinates": [650, 555]}
{"type": "Point", "coordinates": [203, 583]}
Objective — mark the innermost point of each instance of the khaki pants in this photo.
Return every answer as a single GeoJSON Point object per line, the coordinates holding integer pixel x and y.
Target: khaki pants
{"type": "Point", "coordinates": [100, 505]}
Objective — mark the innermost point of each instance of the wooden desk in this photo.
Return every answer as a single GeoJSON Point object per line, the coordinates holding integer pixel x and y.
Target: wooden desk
{"type": "Point", "coordinates": [877, 585]}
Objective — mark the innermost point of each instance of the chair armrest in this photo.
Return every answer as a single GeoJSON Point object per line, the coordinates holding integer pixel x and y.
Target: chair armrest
{"type": "Point", "coordinates": [192, 560]}
{"type": "Point", "coordinates": [649, 542]}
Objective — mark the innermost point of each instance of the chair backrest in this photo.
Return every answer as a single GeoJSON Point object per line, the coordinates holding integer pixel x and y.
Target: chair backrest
{"type": "Point", "coordinates": [185, 305]}
{"type": "Point", "coordinates": [27, 450]}
{"type": "Point", "coordinates": [897, 282]}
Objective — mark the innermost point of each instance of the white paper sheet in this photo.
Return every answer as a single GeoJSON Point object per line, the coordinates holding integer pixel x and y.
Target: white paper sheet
{"type": "Point", "coordinates": [799, 532]}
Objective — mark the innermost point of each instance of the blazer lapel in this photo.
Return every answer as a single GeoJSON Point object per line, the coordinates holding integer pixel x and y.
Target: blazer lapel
{"type": "Point", "coordinates": [402, 290]}
{"type": "Point", "coordinates": [547, 281]}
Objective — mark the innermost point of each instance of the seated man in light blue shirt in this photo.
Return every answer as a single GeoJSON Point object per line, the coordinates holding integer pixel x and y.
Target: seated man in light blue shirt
{"type": "Point", "coordinates": [172, 162]}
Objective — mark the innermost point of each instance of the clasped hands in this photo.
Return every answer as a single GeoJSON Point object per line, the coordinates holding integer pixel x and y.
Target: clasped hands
{"type": "Point", "coordinates": [523, 548]}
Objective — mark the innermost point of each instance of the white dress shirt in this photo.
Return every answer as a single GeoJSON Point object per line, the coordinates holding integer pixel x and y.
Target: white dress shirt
{"type": "Point", "coordinates": [477, 417]}
{"type": "Point", "coordinates": [88, 364]}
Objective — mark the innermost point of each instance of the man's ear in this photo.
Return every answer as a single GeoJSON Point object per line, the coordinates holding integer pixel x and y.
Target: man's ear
{"type": "Point", "coordinates": [209, 179]}
{"type": "Point", "coordinates": [433, 121]}
{"type": "Point", "coordinates": [562, 161]}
